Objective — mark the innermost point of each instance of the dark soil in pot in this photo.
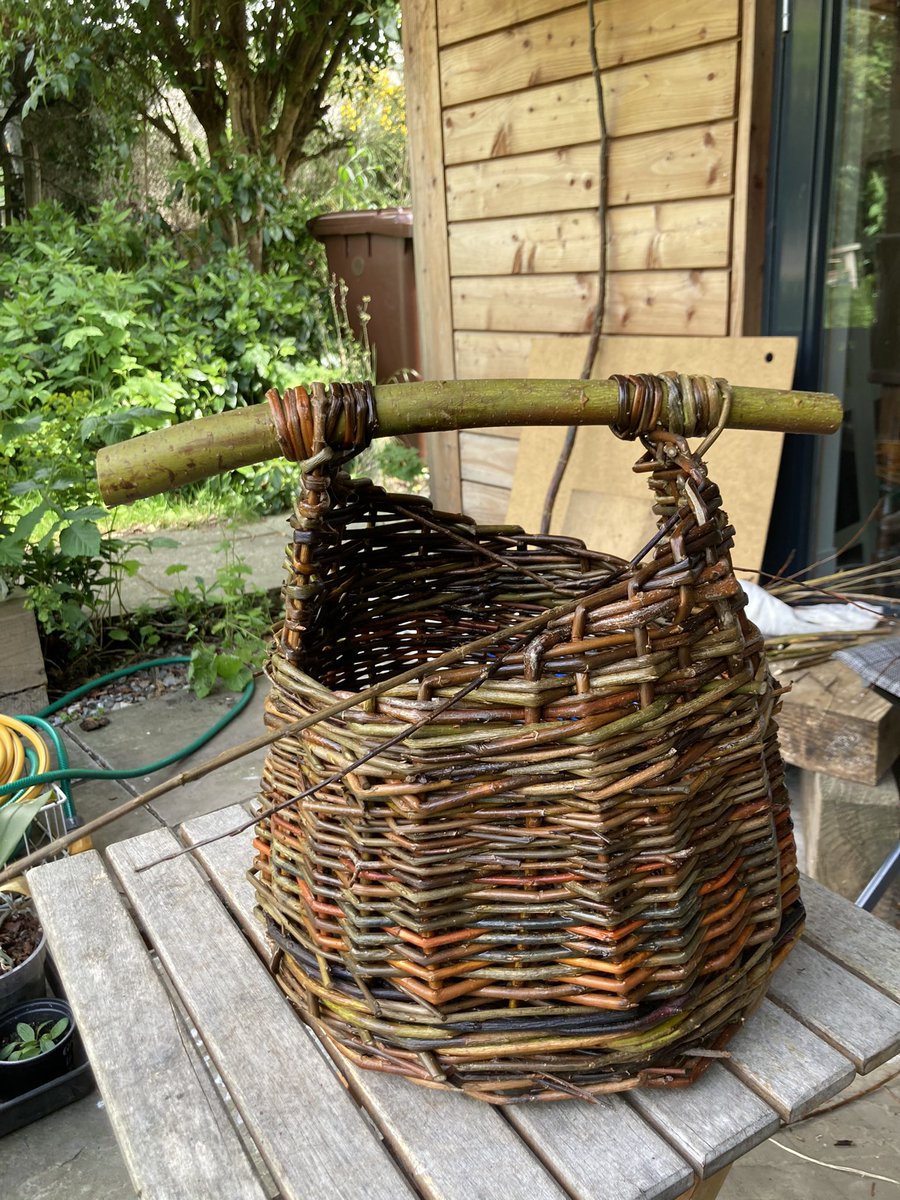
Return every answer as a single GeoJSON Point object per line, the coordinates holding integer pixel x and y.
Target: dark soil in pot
{"type": "Point", "coordinates": [20, 936]}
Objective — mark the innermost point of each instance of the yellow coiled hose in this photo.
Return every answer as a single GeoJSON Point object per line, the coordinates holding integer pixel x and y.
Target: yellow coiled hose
{"type": "Point", "coordinates": [15, 736]}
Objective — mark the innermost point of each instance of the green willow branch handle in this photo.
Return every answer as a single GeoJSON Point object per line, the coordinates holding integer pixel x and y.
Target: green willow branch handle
{"type": "Point", "coordinates": [166, 458]}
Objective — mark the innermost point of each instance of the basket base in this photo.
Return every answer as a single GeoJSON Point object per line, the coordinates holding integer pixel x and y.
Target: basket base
{"type": "Point", "coordinates": [663, 1045]}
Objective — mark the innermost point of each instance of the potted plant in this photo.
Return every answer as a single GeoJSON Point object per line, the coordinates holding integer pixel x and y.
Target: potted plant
{"type": "Point", "coordinates": [23, 950]}
{"type": "Point", "coordinates": [36, 1045]}
{"type": "Point", "coordinates": [22, 943]}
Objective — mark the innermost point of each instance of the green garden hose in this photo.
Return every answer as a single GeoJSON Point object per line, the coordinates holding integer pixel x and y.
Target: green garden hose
{"type": "Point", "coordinates": [65, 773]}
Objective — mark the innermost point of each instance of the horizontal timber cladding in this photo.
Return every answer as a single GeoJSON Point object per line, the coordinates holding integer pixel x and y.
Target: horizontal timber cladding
{"type": "Point", "coordinates": [640, 302]}
{"type": "Point", "coordinates": [489, 354]}
{"type": "Point", "coordinates": [552, 47]}
{"type": "Point", "coordinates": [673, 164]}
{"type": "Point", "coordinates": [626, 29]}
{"type": "Point", "coordinates": [489, 459]}
{"type": "Point", "coordinates": [684, 89]}
{"type": "Point", "coordinates": [487, 504]}
{"type": "Point", "coordinates": [514, 154]}
{"type": "Point", "coordinates": [680, 234]}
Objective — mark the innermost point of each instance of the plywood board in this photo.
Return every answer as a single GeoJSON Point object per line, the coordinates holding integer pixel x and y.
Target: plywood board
{"type": "Point", "coordinates": [554, 47]}
{"type": "Point", "coordinates": [698, 85]}
{"type": "Point", "coordinates": [670, 165]}
{"type": "Point", "coordinates": [601, 497]}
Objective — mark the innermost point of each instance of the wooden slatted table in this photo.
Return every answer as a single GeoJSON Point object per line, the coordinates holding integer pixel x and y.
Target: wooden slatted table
{"type": "Point", "coordinates": [216, 1089]}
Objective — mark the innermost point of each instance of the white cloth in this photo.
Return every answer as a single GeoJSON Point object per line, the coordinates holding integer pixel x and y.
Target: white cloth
{"type": "Point", "coordinates": [773, 617]}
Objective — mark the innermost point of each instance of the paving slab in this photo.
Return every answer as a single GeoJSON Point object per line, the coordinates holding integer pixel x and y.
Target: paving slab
{"type": "Point", "coordinates": [143, 733]}
{"type": "Point", "coordinates": [69, 1155]}
{"type": "Point", "coordinates": [94, 797]}
{"type": "Point", "coordinates": [260, 544]}
{"type": "Point", "coordinates": [861, 1135]}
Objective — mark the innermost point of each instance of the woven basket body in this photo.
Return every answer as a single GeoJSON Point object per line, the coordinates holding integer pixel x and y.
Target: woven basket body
{"type": "Point", "coordinates": [578, 873]}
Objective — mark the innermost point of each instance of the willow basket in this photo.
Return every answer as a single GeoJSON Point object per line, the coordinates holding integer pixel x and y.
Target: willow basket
{"type": "Point", "coordinates": [561, 864]}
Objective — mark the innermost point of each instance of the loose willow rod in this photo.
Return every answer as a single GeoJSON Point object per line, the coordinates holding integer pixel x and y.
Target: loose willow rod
{"type": "Point", "coordinates": [166, 458]}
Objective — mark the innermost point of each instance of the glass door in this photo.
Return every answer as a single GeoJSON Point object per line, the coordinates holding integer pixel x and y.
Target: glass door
{"type": "Point", "coordinates": [833, 272]}
{"type": "Point", "coordinates": [861, 310]}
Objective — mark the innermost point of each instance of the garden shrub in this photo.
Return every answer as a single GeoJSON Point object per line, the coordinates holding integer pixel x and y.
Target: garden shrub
{"type": "Point", "coordinates": [107, 329]}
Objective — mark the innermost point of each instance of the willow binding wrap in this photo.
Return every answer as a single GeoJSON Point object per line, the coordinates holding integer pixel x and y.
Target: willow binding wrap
{"type": "Point", "coordinates": [572, 867]}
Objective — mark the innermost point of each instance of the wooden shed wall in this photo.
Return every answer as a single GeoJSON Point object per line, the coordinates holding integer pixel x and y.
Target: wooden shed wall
{"type": "Point", "coordinates": [504, 139]}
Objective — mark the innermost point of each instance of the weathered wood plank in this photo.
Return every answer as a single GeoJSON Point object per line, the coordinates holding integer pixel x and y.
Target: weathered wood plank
{"type": "Point", "coordinates": [177, 1144]}
{"type": "Point", "coordinates": [713, 1122]}
{"type": "Point", "coordinates": [685, 89]}
{"type": "Point", "coordinates": [832, 722]}
{"type": "Point", "coordinates": [603, 1151]}
{"type": "Point", "coordinates": [637, 302]}
{"type": "Point", "coordinates": [680, 234]}
{"type": "Point", "coordinates": [487, 459]}
{"type": "Point", "coordinates": [555, 47]}
{"type": "Point", "coordinates": [484, 503]}
{"type": "Point", "coordinates": [868, 947]}
{"type": "Point", "coordinates": [454, 1149]}
{"type": "Point", "coordinates": [492, 355]}
{"type": "Point", "coordinates": [671, 165]}
{"type": "Point", "coordinates": [855, 1018]}
{"type": "Point", "coordinates": [269, 1062]}
{"type": "Point", "coordinates": [849, 828]}
{"type": "Point", "coordinates": [460, 19]}
{"type": "Point", "coordinates": [226, 863]}
{"type": "Point", "coordinates": [789, 1067]}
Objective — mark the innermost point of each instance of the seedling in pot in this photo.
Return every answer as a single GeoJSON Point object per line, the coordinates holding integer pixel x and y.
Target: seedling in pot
{"type": "Point", "coordinates": [33, 1040]}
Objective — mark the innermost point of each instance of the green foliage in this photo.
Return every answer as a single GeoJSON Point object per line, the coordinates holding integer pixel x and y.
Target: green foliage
{"type": "Point", "coordinates": [228, 623]}
{"type": "Point", "coordinates": [369, 164]}
{"type": "Point", "coordinates": [397, 461]}
{"type": "Point", "coordinates": [254, 77]}
{"type": "Point", "coordinates": [16, 815]}
{"type": "Point", "coordinates": [32, 1040]}
{"type": "Point", "coordinates": [105, 332]}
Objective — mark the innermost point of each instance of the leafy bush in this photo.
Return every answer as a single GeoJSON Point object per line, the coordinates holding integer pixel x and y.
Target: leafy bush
{"type": "Point", "coordinates": [367, 165]}
{"type": "Point", "coordinates": [106, 330]}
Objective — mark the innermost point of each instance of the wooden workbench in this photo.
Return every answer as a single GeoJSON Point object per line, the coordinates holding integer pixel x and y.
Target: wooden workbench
{"type": "Point", "coordinates": [216, 1089]}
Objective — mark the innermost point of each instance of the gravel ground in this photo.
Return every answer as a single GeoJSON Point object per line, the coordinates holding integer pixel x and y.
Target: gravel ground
{"type": "Point", "coordinates": [91, 710]}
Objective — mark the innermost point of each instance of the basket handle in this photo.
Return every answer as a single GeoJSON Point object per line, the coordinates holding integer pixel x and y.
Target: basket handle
{"type": "Point", "coordinates": [167, 458]}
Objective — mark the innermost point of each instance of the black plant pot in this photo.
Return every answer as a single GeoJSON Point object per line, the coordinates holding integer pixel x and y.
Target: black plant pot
{"type": "Point", "coordinates": [17, 1078]}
